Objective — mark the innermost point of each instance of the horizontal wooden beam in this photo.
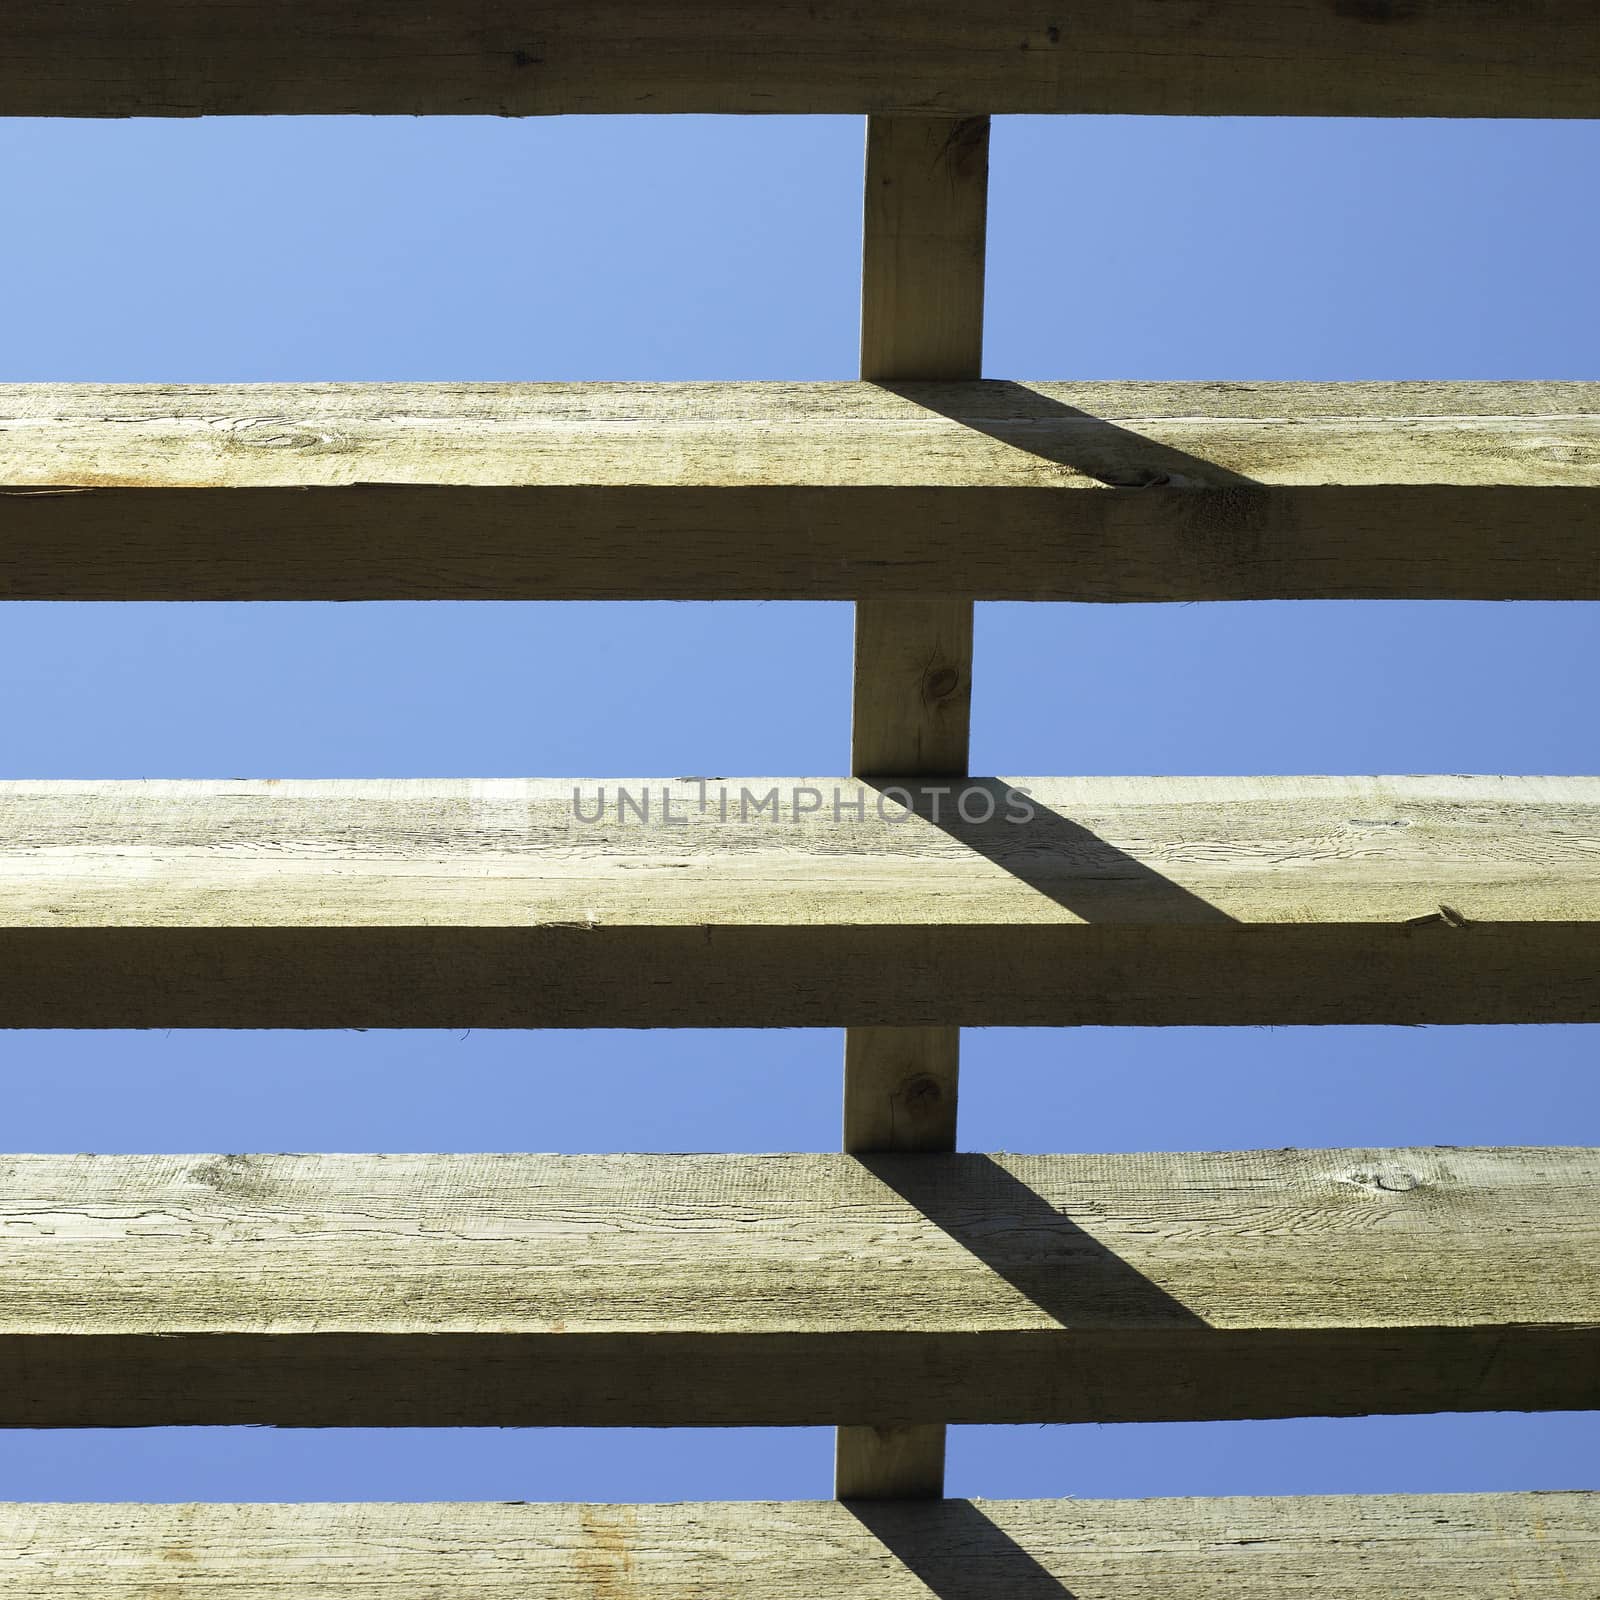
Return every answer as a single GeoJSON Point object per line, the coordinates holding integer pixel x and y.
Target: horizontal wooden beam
{"type": "Point", "coordinates": [106, 58]}
{"type": "Point", "coordinates": [799, 902]}
{"type": "Point", "coordinates": [801, 491]}
{"type": "Point", "coordinates": [1444, 1547]}
{"type": "Point", "coordinates": [329, 1291]}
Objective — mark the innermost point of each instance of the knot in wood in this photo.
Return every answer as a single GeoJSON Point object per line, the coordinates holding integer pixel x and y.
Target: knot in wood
{"type": "Point", "coordinates": [1387, 1180]}
{"type": "Point", "coordinates": [921, 1094]}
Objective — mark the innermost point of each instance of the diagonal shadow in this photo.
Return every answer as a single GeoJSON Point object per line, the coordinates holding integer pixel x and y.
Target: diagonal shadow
{"type": "Point", "coordinates": [956, 1551]}
{"type": "Point", "coordinates": [1067, 1272]}
{"type": "Point", "coordinates": [1064, 1270]}
{"type": "Point", "coordinates": [1023, 418]}
{"type": "Point", "coordinates": [1062, 859]}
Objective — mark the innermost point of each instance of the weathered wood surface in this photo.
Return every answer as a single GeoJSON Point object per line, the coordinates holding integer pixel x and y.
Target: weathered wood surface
{"type": "Point", "coordinates": [432, 903]}
{"type": "Point", "coordinates": [911, 693]}
{"type": "Point", "coordinates": [801, 1289]}
{"type": "Point", "coordinates": [923, 242]}
{"type": "Point", "coordinates": [1369, 1547]}
{"type": "Point", "coordinates": [901, 1089]}
{"type": "Point", "coordinates": [1531, 58]}
{"type": "Point", "coordinates": [822, 491]}
{"type": "Point", "coordinates": [923, 247]}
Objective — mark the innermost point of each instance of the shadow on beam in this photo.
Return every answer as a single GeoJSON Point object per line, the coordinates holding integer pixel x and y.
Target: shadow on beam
{"type": "Point", "coordinates": [956, 1551]}
{"type": "Point", "coordinates": [1039, 1250]}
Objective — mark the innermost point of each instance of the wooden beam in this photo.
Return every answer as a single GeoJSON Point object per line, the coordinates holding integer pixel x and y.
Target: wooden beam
{"type": "Point", "coordinates": [1446, 1547]}
{"type": "Point", "coordinates": [900, 1089]}
{"type": "Point", "coordinates": [911, 694]}
{"type": "Point", "coordinates": [106, 58]}
{"type": "Point", "coordinates": [803, 491]}
{"type": "Point", "coordinates": [924, 223]}
{"type": "Point", "coordinates": [894, 1290]}
{"type": "Point", "coordinates": [923, 237]}
{"type": "Point", "coordinates": [493, 903]}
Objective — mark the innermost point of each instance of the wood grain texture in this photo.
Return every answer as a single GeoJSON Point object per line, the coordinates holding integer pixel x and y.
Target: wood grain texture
{"type": "Point", "coordinates": [1444, 1547]}
{"type": "Point", "coordinates": [889, 1290]}
{"type": "Point", "coordinates": [923, 243]}
{"type": "Point", "coordinates": [901, 1089]}
{"type": "Point", "coordinates": [911, 693]}
{"type": "Point", "coordinates": [923, 237]}
{"type": "Point", "coordinates": [1531, 58]}
{"type": "Point", "coordinates": [893, 1463]}
{"type": "Point", "coordinates": [491, 903]}
{"type": "Point", "coordinates": [821, 491]}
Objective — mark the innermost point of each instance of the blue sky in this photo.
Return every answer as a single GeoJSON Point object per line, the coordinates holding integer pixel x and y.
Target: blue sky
{"type": "Point", "coordinates": [706, 248]}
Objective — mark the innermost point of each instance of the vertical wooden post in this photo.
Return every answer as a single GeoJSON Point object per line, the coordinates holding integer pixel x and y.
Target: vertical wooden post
{"type": "Point", "coordinates": [926, 214]}
{"type": "Point", "coordinates": [922, 249]}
